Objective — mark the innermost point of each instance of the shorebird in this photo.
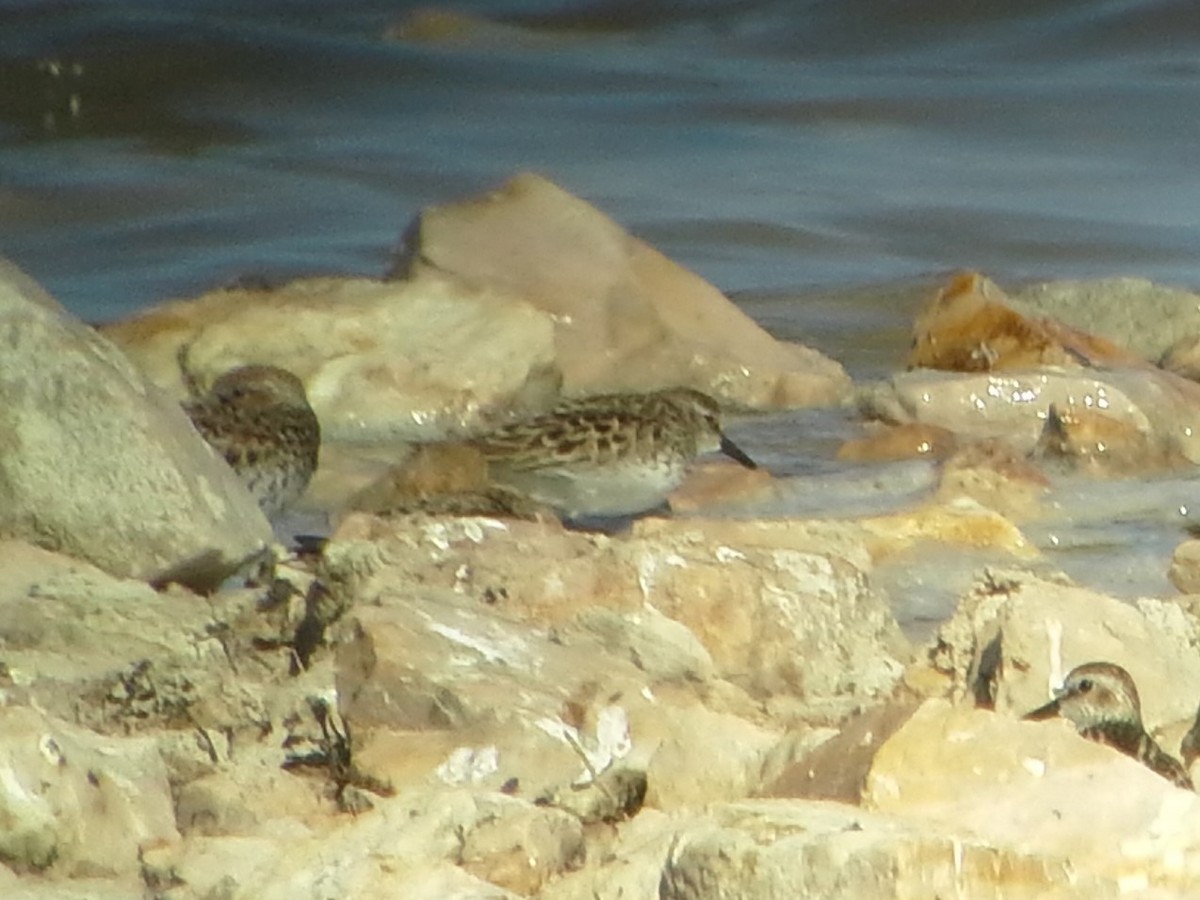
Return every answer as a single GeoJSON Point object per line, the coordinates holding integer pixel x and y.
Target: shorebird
{"type": "Point", "coordinates": [1102, 701]}
{"type": "Point", "coordinates": [259, 420]}
{"type": "Point", "coordinates": [608, 455]}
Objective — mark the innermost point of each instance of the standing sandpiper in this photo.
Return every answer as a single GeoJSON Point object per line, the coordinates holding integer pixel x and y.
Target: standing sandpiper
{"type": "Point", "coordinates": [610, 455]}
{"type": "Point", "coordinates": [259, 420]}
{"type": "Point", "coordinates": [1102, 701]}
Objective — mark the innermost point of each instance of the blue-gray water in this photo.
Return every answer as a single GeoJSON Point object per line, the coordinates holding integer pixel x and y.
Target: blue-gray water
{"type": "Point", "coordinates": [155, 149]}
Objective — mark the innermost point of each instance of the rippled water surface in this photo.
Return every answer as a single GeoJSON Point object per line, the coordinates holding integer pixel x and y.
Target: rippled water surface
{"type": "Point", "coordinates": [785, 150]}
{"type": "Point", "coordinates": [150, 149]}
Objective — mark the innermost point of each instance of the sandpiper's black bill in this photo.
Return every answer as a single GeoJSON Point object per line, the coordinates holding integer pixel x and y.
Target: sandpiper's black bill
{"type": "Point", "coordinates": [733, 451]}
{"type": "Point", "coordinates": [1049, 711]}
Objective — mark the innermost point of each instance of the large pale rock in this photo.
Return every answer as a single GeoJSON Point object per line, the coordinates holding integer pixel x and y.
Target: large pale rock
{"type": "Point", "coordinates": [785, 608]}
{"type": "Point", "coordinates": [626, 317]}
{"type": "Point", "coordinates": [782, 608]}
{"type": "Point", "coordinates": [381, 361]}
{"type": "Point", "coordinates": [129, 888]}
{"type": "Point", "coordinates": [428, 661]}
{"type": "Point", "coordinates": [407, 847]}
{"type": "Point", "coordinates": [1014, 637]}
{"type": "Point", "coordinates": [1040, 788]}
{"type": "Point", "coordinates": [799, 849]}
{"type": "Point", "coordinates": [77, 801]}
{"type": "Point", "coordinates": [95, 462]}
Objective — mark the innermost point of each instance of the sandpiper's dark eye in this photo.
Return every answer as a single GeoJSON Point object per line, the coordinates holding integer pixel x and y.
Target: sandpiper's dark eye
{"type": "Point", "coordinates": [1085, 685]}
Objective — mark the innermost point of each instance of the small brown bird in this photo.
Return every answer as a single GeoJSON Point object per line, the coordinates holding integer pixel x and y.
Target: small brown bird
{"type": "Point", "coordinates": [259, 420]}
{"type": "Point", "coordinates": [607, 455]}
{"type": "Point", "coordinates": [1102, 701]}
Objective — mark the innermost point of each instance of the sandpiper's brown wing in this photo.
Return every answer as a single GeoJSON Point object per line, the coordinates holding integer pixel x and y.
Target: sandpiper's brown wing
{"type": "Point", "coordinates": [593, 430]}
{"type": "Point", "coordinates": [1132, 739]}
{"type": "Point", "coordinates": [1164, 764]}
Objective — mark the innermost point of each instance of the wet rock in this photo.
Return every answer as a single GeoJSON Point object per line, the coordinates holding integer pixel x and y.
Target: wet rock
{"type": "Point", "coordinates": [1185, 567]}
{"type": "Point", "coordinates": [95, 463]}
{"type": "Point", "coordinates": [626, 317]}
{"type": "Point", "coordinates": [1150, 415]}
{"type": "Point", "coordinates": [77, 801]}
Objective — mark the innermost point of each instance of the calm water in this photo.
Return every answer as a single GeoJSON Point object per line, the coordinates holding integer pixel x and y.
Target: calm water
{"type": "Point", "coordinates": [785, 150]}
{"type": "Point", "coordinates": [154, 149]}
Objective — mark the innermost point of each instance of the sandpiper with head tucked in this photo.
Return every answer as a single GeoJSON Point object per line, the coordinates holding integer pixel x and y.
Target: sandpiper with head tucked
{"type": "Point", "coordinates": [610, 455]}
{"type": "Point", "coordinates": [258, 418]}
{"type": "Point", "coordinates": [1102, 701]}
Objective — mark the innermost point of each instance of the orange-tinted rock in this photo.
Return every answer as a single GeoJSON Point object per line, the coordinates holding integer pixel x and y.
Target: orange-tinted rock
{"type": "Point", "coordinates": [970, 326]}
{"type": "Point", "coordinates": [1101, 444]}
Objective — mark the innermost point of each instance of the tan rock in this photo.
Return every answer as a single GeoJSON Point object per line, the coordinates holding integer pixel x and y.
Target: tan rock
{"type": "Point", "coordinates": [631, 864]}
{"type": "Point", "coordinates": [77, 801]}
{"type": "Point", "coordinates": [407, 846]}
{"type": "Point", "coordinates": [960, 521]}
{"type": "Point", "coordinates": [1015, 636]}
{"type": "Point", "coordinates": [626, 317]}
{"type": "Point", "coordinates": [519, 846]}
{"type": "Point", "coordinates": [1040, 788]}
{"type": "Point", "coordinates": [1185, 567]}
{"type": "Point", "coordinates": [96, 463]}
{"type": "Point", "coordinates": [129, 888]}
{"type": "Point", "coordinates": [813, 849]}
{"type": "Point", "coordinates": [397, 361]}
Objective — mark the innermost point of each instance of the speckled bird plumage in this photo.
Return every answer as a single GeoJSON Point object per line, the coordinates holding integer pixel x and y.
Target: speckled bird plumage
{"type": "Point", "coordinates": [259, 420]}
{"type": "Point", "coordinates": [1102, 701]}
{"type": "Point", "coordinates": [608, 455]}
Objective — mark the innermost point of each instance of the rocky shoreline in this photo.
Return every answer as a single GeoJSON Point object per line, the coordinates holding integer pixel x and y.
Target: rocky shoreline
{"type": "Point", "coordinates": [712, 703]}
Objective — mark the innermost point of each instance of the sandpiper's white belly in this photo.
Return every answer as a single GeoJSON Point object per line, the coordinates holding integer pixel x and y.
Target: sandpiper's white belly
{"type": "Point", "coordinates": [612, 489]}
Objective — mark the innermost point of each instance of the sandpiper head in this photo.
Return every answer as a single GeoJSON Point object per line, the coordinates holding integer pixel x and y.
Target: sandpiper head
{"type": "Point", "coordinates": [257, 386]}
{"type": "Point", "coordinates": [706, 413]}
{"type": "Point", "coordinates": [1092, 695]}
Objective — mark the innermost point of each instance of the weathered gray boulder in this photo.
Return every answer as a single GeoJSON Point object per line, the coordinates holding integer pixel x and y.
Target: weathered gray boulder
{"type": "Point", "coordinates": [1134, 313]}
{"type": "Point", "coordinates": [96, 463]}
